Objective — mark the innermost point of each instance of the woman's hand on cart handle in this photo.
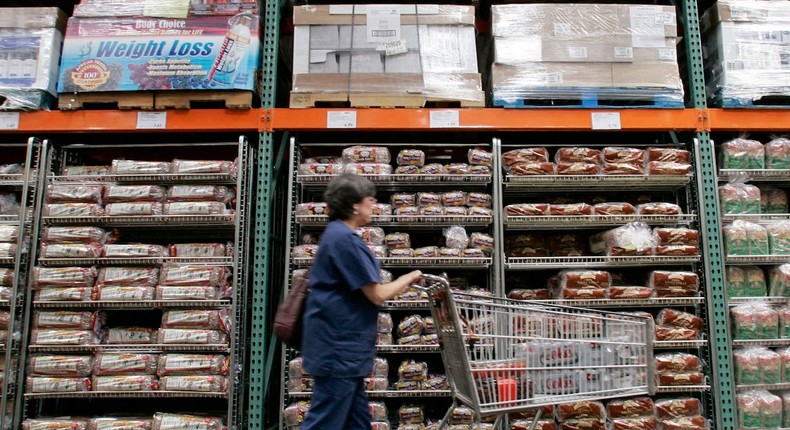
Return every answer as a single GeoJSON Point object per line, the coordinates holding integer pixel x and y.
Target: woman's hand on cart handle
{"type": "Point", "coordinates": [379, 293]}
{"type": "Point", "coordinates": [409, 279]}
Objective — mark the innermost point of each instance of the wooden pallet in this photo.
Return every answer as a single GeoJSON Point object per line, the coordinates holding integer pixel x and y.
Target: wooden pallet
{"type": "Point", "coordinates": [107, 100]}
{"type": "Point", "coordinates": [150, 100]}
{"type": "Point", "coordinates": [382, 100]}
{"type": "Point", "coordinates": [768, 101]}
{"type": "Point", "coordinates": [592, 97]}
{"type": "Point", "coordinates": [230, 99]}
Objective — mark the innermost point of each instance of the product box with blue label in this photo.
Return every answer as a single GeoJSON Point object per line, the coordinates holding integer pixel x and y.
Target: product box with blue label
{"type": "Point", "coordinates": [148, 53]}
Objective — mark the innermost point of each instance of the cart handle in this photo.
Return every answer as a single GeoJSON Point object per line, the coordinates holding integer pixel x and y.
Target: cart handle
{"type": "Point", "coordinates": [433, 284]}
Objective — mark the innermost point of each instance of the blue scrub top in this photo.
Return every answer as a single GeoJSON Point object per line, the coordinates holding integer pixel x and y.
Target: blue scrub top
{"type": "Point", "coordinates": [339, 331]}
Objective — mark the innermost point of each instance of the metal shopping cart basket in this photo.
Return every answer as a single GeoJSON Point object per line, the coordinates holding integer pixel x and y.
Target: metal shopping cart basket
{"type": "Point", "coordinates": [504, 356]}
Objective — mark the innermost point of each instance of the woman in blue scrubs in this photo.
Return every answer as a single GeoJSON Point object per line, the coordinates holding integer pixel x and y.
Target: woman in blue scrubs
{"type": "Point", "coordinates": [339, 337]}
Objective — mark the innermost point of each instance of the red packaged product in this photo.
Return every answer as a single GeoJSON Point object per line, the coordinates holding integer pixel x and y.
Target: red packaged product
{"type": "Point", "coordinates": [125, 363]}
{"type": "Point", "coordinates": [636, 407]}
{"type": "Point", "coordinates": [583, 425]}
{"type": "Point", "coordinates": [582, 293]}
{"type": "Point", "coordinates": [661, 279]}
{"type": "Point", "coordinates": [668, 155]}
{"type": "Point", "coordinates": [630, 292]}
{"type": "Point", "coordinates": [41, 384]}
{"type": "Point", "coordinates": [533, 169]}
{"type": "Point", "coordinates": [536, 294]}
{"type": "Point", "coordinates": [571, 209]}
{"type": "Point", "coordinates": [578, 155]}
{"type": "Point", "coordinates": [639, 423]}
{"type": "Point", "coordinates": [675, 318]}
{"type": "Point", "coordinates": [73, 210]}
{"type": "Point", "coordinates": [668, 168]}
{"type": "Point", "coordinates": [73, 366]}
{"type": "Point", "coordinates": [614, 209]}
{"type": "Point", "coordinates": [579, 410]}
{"type": "Point", "coordinates": [128, 276]}
{"type": "Point", "coordinates": [623, 169]}
{"type": "Point", "coordinates": [133, 193]}
{"type": "Point", "coordinates": [74, 193]}
{"type": "Point", "coordinates": [78, 320]}
{"type": "Point", "coordinates": [125, 383]}
{"type": "Point", "coordinates": [564, 168]}
{"type": "Point", "coordinates": [675, 408]}
{"type": "Point", "coordinates": [675, 333]}
{"type": "Point", "coordinates": [525, 155]}
{"type": "Point", "coordinates": [676, 250]}
{"type": "Point", "coordinates": [199, 193]}
{"type": "Point", "coordinates": [675, 379]}
{"type": "Point", "coordinates": [675, 292]}
{"type": "Point", "coordinates": [677, 362]}
{"type": "Point", "coordinates": [527, 425]}
{"type": "Point", "coordinates": [527, 209]}
{"type": "Point", "coordinates": [585, 279]}
{"type": "Point", "coordinates": [614, 154]}
{"type": "Point", "coordinates": [685, 423]}
{"type": "Point", "coordinates": [63, 277]}
{"type": "Point", "coordinates": [677, 236]}
{"type": "Point", "coordinates": [659, 209]}
{"type": "Point", "coordinates": [71, 250]}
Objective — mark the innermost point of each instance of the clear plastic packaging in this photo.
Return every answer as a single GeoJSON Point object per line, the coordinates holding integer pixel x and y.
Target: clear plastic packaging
{"type": "Point", "coordinates": [133, 193]}
{"type": "Point", "coordinates": [7, 249]}
{"type": "Point", "coordinates": [294, 414]}
{"type": "Point", "coordinates": [8, 204]}
{"type": "Point", "coordinates": [678, 408]}
{"type": "Point", "coordinates": [779, 281]}
{"type": "Point", "coordinates": [366, 154]}
{"type": "Point", "coordinates": [527, 209]}
{"type": "Point", "coordinates": [75, 234]}
{"type": "Point", "coordinates": [195, 208]}
{"type": "Point", "coordinates": [129, 335]}
{"type": "Point", "coordinates": [74, 193]}
{"type": "Point", "coordinates": [480, 200]}
{"type": "Point", "coordinates": [77, 320]}
{"type": "Point", "coordinates": [191, 337]}
{"type": "Point", "coordinates": [460, 168]}
{"type": "Point", "coordinates": [197, 318]}
{"type": "Point", "coordinates": [581, 279]}
{"type": "Point", "coordinates": [482, 241]}
{"type": "Point", "coordinates": [667, 168]}
{"type": "Point", "coordinates": [125, 364]}
{"type": "Point", "coordinates": [75, 294]}
{"type": "Point", "coordinates": [63, 337]}
{"type": "Point", "coordinates": [742, 153]}
{"type": "Point", "coordinates": [759, 409]}
{"type": "Point", "coordinates": [479, 157]}
{"type": "Point", "coordinates": [123, 294]}
{"type": "Point", "coordinates": [314, 208]}
{"type": "Point", "coordinates": [121, 424]}
{"type": "Point", "coordinates": [199, 193]}
{"type": "Point", "coordinates": [12, 169]}
{"type": "Point", "coordinates": [745, 238]}
{"type": "Point", "coordinates": [615, 154]}
{"type": "Point", "coordinates": [622, 169]}
{"type": "Point", "coordinates": [659, 209]}
{"type": "Point", "coordinates": [198, 250]}
{"type": "Point", "coordinates": [72, 210]}
{"type": "Point", "coordinates": [128, 276]}
{"type": "Point", "coordinates": [754, 321]}
{"type": "Point", "coordinates": [397, 241]}
{"type": "Point", "coordinates": [433, 169]}
{"type": "Point", "coordinates": [202, 166]}
{"type": "Point", "coordinates": [125, 383]}
{"type": "Point", "coordinates": [319, 169]}
{"type": "Point", "coordinates": [411, 157]}
{"type": "Point", "coordinates": [777, 154]}
{"type": "Point", "coordinates": [183, 275]}
{"type": "Point", "coordinates": [431, 211]}
{"type": "Point", "coordinates": [676, 236]}
{"type": "Point", "coordinates": [677, 362]}
{"type": "Point", "coordinates": [99, 171]}
{"type": "Point", "coordinates": [634, 238]}
{"type": "Point", "coordinates": [577, 168]}
{"type": "Point", "coordinates": [773, 200]}
{"type": "Point", "coordinates": [757, 365]}
{"type": "Point", "coordinates": [779, 237]}
{"type": "Point", "coordinates": [614, 209]}
{"type": "Point", "coordinates": [673, 280]}
{"type": "Point", "coordinates": [676, 318]}
{"type": "Point", "coordinates": [571, 209]}
{"type": "Point", "coordinates": [63, 277]}
{"type": "Point", "coordinates": [188, 293]}
{"type": "Point", "coordinates": [368, 168]}
{"type": "Point", "coordinates": [456, 237]}
{"type": "Point", "coordinates": [371, 235]}
{"type": "Point", "coordinates": [581, 410]}
{"type": "Point", "coordinates": [668, 155]}
{"type": "Point", "coordinates": [130, 167]}
{"type": "Point", "coordinates": [71, 250]}
{"type": "Point", "coordinates": [133, 250]}
{"type": "Point", "coordinates": [134, 209]}
{"type": "Point", "coordinates": [196, 383]}
{"type": "Point", "coordinates": [163, 421]}
{"type": "Point", "coordinates": [71, 366]}
{"type": "Point", "coordinates": [400, 200]}
{"type": "Point", "coordinates": [44, 384]}
{"type": "Point", "coordinates": [193, 364]}
{"type": "Point", "coordinates": [9, 233]}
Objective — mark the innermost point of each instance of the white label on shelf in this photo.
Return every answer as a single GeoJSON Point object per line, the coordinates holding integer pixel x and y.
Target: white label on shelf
{"type": "Point", "coordinates": [9, 120]}
{"type": "Point", "coordinates": [444, 119]}
{"type": "Point", "coordinates": [383, 23]}
{"type": "Point", "coordinates": [151, 120]}
{"type": "Point", "coordinates": [341, 119]}
{"type": "Point", "coordinates": [606, 121]}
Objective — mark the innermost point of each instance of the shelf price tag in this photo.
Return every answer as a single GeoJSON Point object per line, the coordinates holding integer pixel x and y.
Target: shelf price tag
{"type": "Point", "coordinates": [341, 119]}
{"type": "Point", "coordinates": [606, 121]}
{"type": "Point", "coordinates": [9, 120]}
{"type": "Point", "coordinates": [151, 120]}
{"type": "Point", "coordinates": [444, 119]}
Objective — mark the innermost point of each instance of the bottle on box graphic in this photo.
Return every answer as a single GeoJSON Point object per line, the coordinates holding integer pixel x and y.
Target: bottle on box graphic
{"type": "Point", "coordinates": [233, 50]}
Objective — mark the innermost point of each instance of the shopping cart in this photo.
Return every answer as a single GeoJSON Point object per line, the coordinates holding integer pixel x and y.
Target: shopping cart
{"type": "Point", "coordinates": [504, 356]}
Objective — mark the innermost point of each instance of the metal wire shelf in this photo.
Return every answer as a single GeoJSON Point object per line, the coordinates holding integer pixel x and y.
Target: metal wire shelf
{"type": "Point", "coordinates": [413, 221]}
{"type": "Point", "coordinates": [627, 303]}
{"type": "Point", "coordinates": [540, 263]}
{"type": "Point", "coordinates": [756, 218]}
{"type": "Point", "coordinates": [548, 222]}
{"type": "Point", "coordinates": [778, 387]}
{"type": "Point", "coordinates": [551, 183]}
{"type": "Point", "coordinates": [142, 221]}
{"type": "Point", "coordinates": [12, 180]}
{"type": "Point", "coordinates": [407, 348]}
{"type": "Point", "coordinates": [682, 389]}
{"type": "Point", "coordinates": [135, 261]}
{"type": "Point", "coordinates": [406, 304]}
{"type": "Point", "coordinates": [164, 179]}
{"type": "Point", "coordinates": [387, 394]}
{"type": "Point", "coordinates": [142, 304]}
{"type": "Point", "coordinates": [9, 219]}
{"type": "Point", "coordinates": [679, 344]}
{"type": "Point", "coordinates": [223, 348]}
{"type": "Point", "coordinates": [757, 259]}
{"type": "Point", "coordinates": [126, 394]}
{"type": "Point", "coordinates": [735, 301]}
{"type": "Point", "coordinates": [318, 181]}
{"type": "Point", "coordinates": [438, 262]}
{"type": "Point", "coordinates": [761, 342]}
{"type": "Point", "coordinates": [755, 174]}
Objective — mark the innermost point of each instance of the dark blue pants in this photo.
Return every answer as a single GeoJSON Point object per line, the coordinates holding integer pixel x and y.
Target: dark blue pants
{"type": "Point", "coordinates": [338, 404]}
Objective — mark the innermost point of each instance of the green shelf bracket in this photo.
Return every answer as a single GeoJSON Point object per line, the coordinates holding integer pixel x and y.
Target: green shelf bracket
{"type": "Point", "coordinates": [718, 321]}
{"type": "Point", "coordinates": [693, 42]}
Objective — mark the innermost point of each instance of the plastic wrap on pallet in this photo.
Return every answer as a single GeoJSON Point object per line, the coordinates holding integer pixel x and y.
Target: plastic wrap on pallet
{"type": "Point", "coordinates": [746, 48]}
{"type": "Point", "coordinates": [30, 41]}
{"type": "Point", "coordinates": [431, 52]}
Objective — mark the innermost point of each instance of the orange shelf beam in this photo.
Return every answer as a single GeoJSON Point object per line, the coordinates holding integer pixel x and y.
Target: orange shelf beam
{"type": "Point", "coordinates": [749, 119]}
{"type": "Point", "coordinates": [488, 119]}
{"type": "Point", "coordinates": [124, 121]}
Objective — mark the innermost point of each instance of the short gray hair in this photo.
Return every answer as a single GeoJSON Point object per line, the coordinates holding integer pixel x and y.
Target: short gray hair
{"type": "Point", "coordinates": [344, 191]}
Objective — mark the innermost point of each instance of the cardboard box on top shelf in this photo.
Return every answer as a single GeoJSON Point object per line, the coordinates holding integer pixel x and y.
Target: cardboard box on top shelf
{"type": "Point", "coordinates": [656, 74]}
{"type": "Point", "coordinates": [32, 17]}
{"type": "Point", "coordinates": [409, 14]}
{"type": "Point", "coordinates": [559, 75]}
{"type": "Point", "coordinates": [745, 11]}
{"type": "Point", "coordinates": [612, 49]}
{"type": "Point", "coordinates": [584, 20]}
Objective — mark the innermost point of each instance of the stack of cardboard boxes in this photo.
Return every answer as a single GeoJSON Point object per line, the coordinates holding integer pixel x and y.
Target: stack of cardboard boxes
{"type": "Point", "coordinates": [746, 51]}
{"type": "Point", "coordinates": [30, 40]}
{"type": "Point", "coordinates": [385, 55]}
{"type": "Point", "coordinates": [546, 51]}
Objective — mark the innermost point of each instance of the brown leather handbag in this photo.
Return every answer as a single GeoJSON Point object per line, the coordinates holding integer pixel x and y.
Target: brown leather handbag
{"type": "Point", "coordinates": [288, 320]}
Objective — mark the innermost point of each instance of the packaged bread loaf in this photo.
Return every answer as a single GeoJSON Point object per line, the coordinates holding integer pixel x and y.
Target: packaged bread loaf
{"type": "Point", "coordinates": [62, 337]}
{"type": "Point", "coordinates": [429, 199]}
{"type": "Point", "coordinates": [411, 414]}
{"type": "Point", "coordinates": [125, 383]}
{"type": "Point", "coordinates": [129, 335]}
{"type": "Point", "coordinates": [366, 154]}
{"type": "Point", "coordinates": [622, 169]}
{"type": "Point", "coordinates": [77, 320]}
{"type": "Point", "coordinates": [128, 276]}
{"type": "Point", "coordinates": [663, 279]}
{"type": "Point", "coordinates": [126, 423]}
{"type": "Point", "coordinates": [203, 166]}
{"type": "Point", "coordinates": [571, 209]}
{"type": "Point", "coordinates": [191, 337]}
{"type": "Point", "coordinates": [195, 383]}
{"type": "Point", "coordinates": [658, 209]}
{"type": "Point", "coordinates": [667, 409]}
{"type": "Point", "coordinates": [583, 424]}
{"type": "Point", "coordinates": [131, 167]}
{"type": "Point", "coordinates": [676, 250]}
{"type": "Point", "coordinates": [479, 171]}
{"type": "Point", "coordinates": [479, 157]}
{"type": "Point", "coordinates": [481, 241]}
{"type": "Point", "coordinates": [63, 294]}
{"type": "Point", "coordinates": [780, 281]}
{"type": "Point", "coordinates": [195, 208]}
{"type": "Point", "coordinates": [181, 275]}
{"type": "Point", "coordinates": [75, 235]}
{"type": "Point", "coordinates": [618, 292]}
{"type": "Point", "coordinates": [527, 209]}
{"type": "Point", "coordinates": [568, 168]}
{"type": "Point", "coordinates": [614, 209]}
{"type": "Point", "coordinates": [755, 282]}
{"type": "Point", "coordinates": [668, 154]}
{"type": "Point", "coordinates": [459, 169]}
{"type": "Point", "coordinates": [406, 173]}
{"type": "Point", "coordinates": [525, 155]}
{"type": "Point", "coordinates": [71, 250]}
{"type": "Point", "coordinates": [134, 209]}
{"type": "Point", "coordinates": [480, 200]}
{"type": "Point", "coordinates": [9, 233]}
{"type": "Point", "coordinates": [195, 292]}
{"type": "Point", "coordinates": [636, 423]}
{"type": "Point", "coordinates": [614, 154]}
{"type": "Point", "coordinates": [6, 281]}
{"type": "Point", "coordinates": [199, 193]}
{"type": "Point", "coordinates": [533, 169]}
{"type": "Point", "coordinates": [755, 321]}
{"type": "Point", "coordinates": [192, 364]}
{"type": "Point", "coordinates": [580, 410]}
{"type": "Point", "coordinates": [133, 193]}
{"type": "Point", "coordinates": [72, 171]}
{"type": "Point", "coordinates": [759, 409]}
{"type": "Point", "coordinates": [63, 277]}
{"type": "Point", "coordinates": [411, 157]}
{"type": "Point", "coordinates": [629, 408]}
{"type": "Point", "coordinates": [198, 250]}
{"type": "Point", "coordinates": [773, 200]}
{"type": "Point", "coordinates": [71, 366]}
{"type": "Point", "coordinates": [196, 318]}
{"type": "Point", "coordinates": [125, 364]}
{"type": "Point", "coordinates": [777, 153]}
{"type": "Point", "coordinates": [400, 200]}
{"type": "Point", "coordinates": [47, 384]}
{"type": "Point", "coordinates": [73, 210]}
{"type": "Point", "coordinates": [476, 211]}
{"type": "Point", "coordinates": [675, 333]}
{"type": "Point", "coordinates": [527, 425]}
{"type": "Point", "coordinates": [667, 168]}
{"type": "Point", "coordinates": [634, 238]}
{"type": "Point", "coordinates": [320, 169]}
{"type": "Point", "coordinates": [585, 279]}
{"type": "Point", "coordinates": [397, 241]}
{"type": "Point", "coordinates": [578, 155]}
{"type": "Point", "coordinates": [67, 193]}
{"type": "Point", "coordinates": [685, 423]}
{"type": "Point", "coordinates": [676, 318]}
{"type": "Point", "coordinates": [742, 153]}
{"type": "Point", "coordinates": [104, 293]}
{"type": "Point", "coordinates": [132, 250]}
{"type": "Point", "coordinates": [371, 235]}
{"type": "Point", "coordinates": [432, 169]}
{"type": "Point", "coordinates": [676, 236]}
{"type": "Point", "coordinates": [779, 237]}
{"type": "Point", "coordinates": [164, 421]}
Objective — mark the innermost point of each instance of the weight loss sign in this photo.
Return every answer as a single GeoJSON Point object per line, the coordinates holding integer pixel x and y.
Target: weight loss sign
{"type": "Point", "coordinates": [133, 54]}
